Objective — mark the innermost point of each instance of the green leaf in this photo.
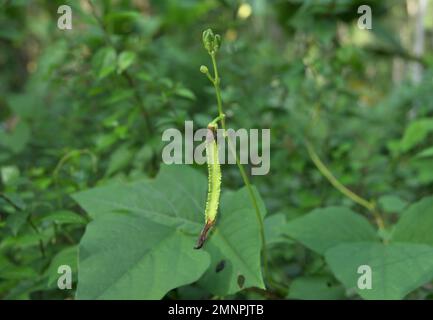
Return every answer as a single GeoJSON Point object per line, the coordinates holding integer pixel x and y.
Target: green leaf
{"type": "Point", "coordinates": [185, 93]}
{"type": "Point", "coordinates": [26, 240]}
{"type": "Point", "coordinates": [392, 203]}
{"type": "Point", "coordinates": [10, 271]}
{"type": "Point", "coordinates": [69, 257]}
{"type": "Point", "coordinates": [13, 199]}
{"type": "Point", "coordinates": [426, 153]}
{"type": "Point", "coordinates": [19, 273]}
{"type": "Point", "coordinates": [126, 59]}
{"type": "Point", "coordinates": [104, 62]}
{"type": "Point", "coordinates": [9, 174]}
{"type": "Point", "coordinates": [119, 159]}
{"type": "Point", "coordinates": [15, 221]}
{"type": "Point", "coordinates": [131, 257]}
{"type": "Point", "coordinates": [415, 133]}
{"type": "Point", "coordinates": [325, 228]}
{"type": "Point", "coordinates": [64, 217]}
{"type": "Point", "coordinates": [175, 198]}
{"type": "Point", "coordinates": [416, 223]}
{"type": "Point", "coordinates": [315, 288]}
{"type": "Point", "coordinates": [235, 246]}
{"type": "Point", "coordinates": [18, 137]}
{"type": "Point", "coordinates": [140, 244]}
{"type": "Point", "coordinates": [397, 269]}
{"type": "Point", "coordinates": [274, 228]}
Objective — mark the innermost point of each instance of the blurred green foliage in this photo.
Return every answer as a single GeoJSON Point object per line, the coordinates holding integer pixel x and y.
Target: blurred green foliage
{"type": "Point", "coordinates": [86, 107]}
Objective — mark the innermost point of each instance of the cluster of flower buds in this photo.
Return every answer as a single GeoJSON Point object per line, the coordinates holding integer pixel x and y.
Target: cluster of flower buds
{"type": "Point", "coordinates": [211, 41]}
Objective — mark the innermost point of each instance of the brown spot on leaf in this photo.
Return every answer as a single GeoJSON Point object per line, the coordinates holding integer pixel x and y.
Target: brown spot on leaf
{"type": "Point", "coordinates": [220, 266]}
{"type": "Point", "coordinates": [241, 281]}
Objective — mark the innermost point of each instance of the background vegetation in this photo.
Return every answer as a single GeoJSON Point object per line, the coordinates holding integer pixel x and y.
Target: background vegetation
{"type": "Point", "coordinates": [86, 107]}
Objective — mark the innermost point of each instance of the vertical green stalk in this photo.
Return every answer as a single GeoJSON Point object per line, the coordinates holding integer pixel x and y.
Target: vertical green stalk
{"type": "Point", "coordinates": [212, 44]}
{"type": "Point", "coordinates": [216, 84]}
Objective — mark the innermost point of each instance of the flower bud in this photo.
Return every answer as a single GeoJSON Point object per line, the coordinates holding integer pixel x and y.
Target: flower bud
{"type": "Point", "coordinates": [208, 39]}
{"type": "Point", "coordinates": [204, 69]}
{"type": "Point", "coordinates": [211, 41]}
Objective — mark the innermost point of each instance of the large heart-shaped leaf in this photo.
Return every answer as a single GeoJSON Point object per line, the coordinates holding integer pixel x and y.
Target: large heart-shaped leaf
{"type": "Point", "coordinates": [176, 197]}
{"type": "Point", "coordinates": [397, 268]}
{"type": "Point", "coordinates": [131, 257]}
{"type": "Point", "coordinates": [235, 247]}
{"type": "Point", "coordinates": [325, 228]}
{"type": "Point", "coordinates": [348, 241]}
{"type": "Point", "coordinates": [140, 244]}
{"type": "Point", "coordinates": [416, 223]}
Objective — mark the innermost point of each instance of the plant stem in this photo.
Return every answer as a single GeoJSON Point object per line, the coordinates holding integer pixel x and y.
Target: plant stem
{"type": "Point", "coordinates": [216, 83]}
{"type": "Point", "coordinates": [71, 154]}
{"type": "Point", "coordinates": [369, 205]}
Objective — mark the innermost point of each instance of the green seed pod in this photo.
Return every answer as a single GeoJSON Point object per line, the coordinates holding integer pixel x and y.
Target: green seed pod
{"type": "Point", "coordinates": [214, 186]}
{"type": "Point", "coordinates": [214, 171]}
